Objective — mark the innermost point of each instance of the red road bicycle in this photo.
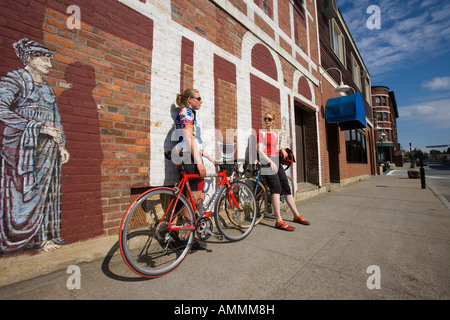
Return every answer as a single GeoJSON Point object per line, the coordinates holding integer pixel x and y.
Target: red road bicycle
{"type": "Point", "coordinates": [157, 231]}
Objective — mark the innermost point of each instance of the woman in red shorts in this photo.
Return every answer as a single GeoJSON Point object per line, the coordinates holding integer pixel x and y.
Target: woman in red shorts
{"type": "Point", "coordinates": [276, 179]}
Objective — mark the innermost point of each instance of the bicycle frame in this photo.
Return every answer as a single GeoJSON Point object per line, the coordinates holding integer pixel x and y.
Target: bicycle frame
{"type": "Point", "coordinates": [259, 178]}
{"type": "Point", "coordinates": [184, 183]}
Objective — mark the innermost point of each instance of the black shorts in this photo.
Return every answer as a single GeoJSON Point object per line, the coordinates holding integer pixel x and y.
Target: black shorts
{"type": "Point", "coordinates": [278, 182]}
{"type": "Point", "coordinates": [196, 184]}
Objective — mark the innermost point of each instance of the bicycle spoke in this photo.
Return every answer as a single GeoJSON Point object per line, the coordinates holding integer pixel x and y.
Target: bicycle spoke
{"type": "Point", "coordinates": [260, 196]}
{"type": "Point", "coordinates": [148, 245]}
{"type": "Point", "coordinates": [235, 223]}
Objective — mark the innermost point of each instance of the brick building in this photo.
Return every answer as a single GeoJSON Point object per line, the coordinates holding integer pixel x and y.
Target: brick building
{"type": "Point", "coordinates": [386, 114]}
{"type": "Point", "coordinates": [116, 78]}
{"type": "Point", "coordinates": [349, 152]}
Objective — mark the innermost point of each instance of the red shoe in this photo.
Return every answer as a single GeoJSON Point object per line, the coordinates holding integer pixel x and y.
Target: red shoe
{"type": "Point", "coordinates": [299, 219]}
{"type": "Point", "coordinates": [284, 226]}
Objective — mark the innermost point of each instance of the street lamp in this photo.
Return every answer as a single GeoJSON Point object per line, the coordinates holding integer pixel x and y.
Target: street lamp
{"type": "Point", "coordinates": [381, 136]}
{"type": "Point", "coordinates": [411, 158]}
{"type": "Point", "coordinates": [339, 89]}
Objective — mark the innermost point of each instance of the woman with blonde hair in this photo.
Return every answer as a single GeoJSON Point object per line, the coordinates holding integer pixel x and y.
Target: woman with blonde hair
{"type": "Point", "coordinates": [190, 146]}
{"type": "Point", "coordinates": [269, 153]}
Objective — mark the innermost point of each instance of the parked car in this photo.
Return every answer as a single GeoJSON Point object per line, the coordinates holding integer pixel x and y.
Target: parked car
{"type": "Point", "coordinates": [425, 162]}
{"type": "Point", "coordinates": [386, 165]}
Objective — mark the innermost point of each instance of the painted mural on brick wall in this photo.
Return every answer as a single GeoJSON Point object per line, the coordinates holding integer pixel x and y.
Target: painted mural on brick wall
{"type": "Point", "coordinates": [32, 154]}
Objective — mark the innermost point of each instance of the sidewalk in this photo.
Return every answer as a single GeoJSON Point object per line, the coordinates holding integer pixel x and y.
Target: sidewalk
{"type": "Point", "coordinates": [387, 221]}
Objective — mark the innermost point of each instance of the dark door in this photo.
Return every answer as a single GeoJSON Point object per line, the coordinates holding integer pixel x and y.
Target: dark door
{"type": "Point", "coordinates": [300, 145]}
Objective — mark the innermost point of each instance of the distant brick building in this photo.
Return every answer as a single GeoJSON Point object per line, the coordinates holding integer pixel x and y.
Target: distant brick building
{"type": "Point", "coordinates": [386, 114]}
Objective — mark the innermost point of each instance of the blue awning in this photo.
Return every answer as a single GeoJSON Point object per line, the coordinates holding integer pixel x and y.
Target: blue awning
{"type": "Point", "coordinates": [348, 111]}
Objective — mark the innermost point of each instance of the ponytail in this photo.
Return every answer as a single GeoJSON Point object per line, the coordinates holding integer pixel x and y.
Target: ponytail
{"type": "Point", "coordinates": [178, 101]}
{"type": "Point", "coordinates": [182, 97]}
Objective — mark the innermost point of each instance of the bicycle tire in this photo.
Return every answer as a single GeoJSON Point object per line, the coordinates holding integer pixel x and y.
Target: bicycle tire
{"type": "Point", "coordinates": [236, 224]}
{"type": "Point", "coordinates": [262, 198]}
{"type": "Point", "coordinates": [147, 246]}
{"type": "Point", "coordinates": [291, 185]}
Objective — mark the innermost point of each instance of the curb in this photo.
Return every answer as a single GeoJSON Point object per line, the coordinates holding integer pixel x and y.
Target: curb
{"type": "Point", "coordinates": [440, 196]}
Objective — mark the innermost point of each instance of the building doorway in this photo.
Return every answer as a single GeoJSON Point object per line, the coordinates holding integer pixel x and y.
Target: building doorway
{"type": "Point", "coordinates": [333, 146]}
{"type": "Point", "coordinates": [300, 145]}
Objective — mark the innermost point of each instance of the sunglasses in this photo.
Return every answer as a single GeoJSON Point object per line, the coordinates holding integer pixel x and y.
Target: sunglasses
{"type": "Point", "coordinates": [267, 119]}
{"type": "Point", "coordinates": [198, 99]}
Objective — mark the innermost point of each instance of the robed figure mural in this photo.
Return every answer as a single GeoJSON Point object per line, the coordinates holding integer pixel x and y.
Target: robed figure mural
{"type": "Point", "coordinates": [32, 154]}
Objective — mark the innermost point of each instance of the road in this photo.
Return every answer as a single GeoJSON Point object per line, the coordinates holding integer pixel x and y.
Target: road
{"type": "Point", "coordinates": [437, 176]}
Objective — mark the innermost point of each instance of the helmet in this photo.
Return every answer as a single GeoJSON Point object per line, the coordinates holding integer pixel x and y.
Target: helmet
{"type": "Point", "coordinates": [289, 159]}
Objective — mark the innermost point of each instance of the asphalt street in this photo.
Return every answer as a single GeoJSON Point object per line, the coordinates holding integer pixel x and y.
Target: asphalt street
{"type": "Point", "coordinates": [437, 176]}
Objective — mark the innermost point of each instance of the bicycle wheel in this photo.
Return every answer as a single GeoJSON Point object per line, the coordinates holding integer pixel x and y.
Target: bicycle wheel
{"type": "Point", "coordinates": [262, 199]}
{"type": "Point", "coordinates": [291, 184]}
{"type": "Point", "coordinates": [291, 187]}
{"type": "Point", "coordinates": [148, 247]}
{"type": "Point", "coordinates": [233, 223]}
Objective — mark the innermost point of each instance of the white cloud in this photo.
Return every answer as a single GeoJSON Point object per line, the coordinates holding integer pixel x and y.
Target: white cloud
{"type": "Point", "coordinates": [438, 83]}
{"type": "Point", "coordinates": [424, 111]}
{"type": "Point", "coordinates": [433, 114]}
{"type": "Point", "coordinates": [411, 32]}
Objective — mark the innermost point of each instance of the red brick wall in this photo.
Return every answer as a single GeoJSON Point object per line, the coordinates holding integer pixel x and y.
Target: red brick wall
{"type": "Point", "coordinates": [259, 90]}
{"type": "Point", "coordinates": [283, 12]}
{"type": "Point", "coordinates": [187, 64]}
{"type": "Point", "coordinates": [209, 21]}
{"type": "Point", "coordinates": [300, 30]}
{"type": "Point", "coordinates": [303, 88]}
{"type": "Point", "coordinates": [101, 75]}
{"type": "Point", "coordinates": [263, 61]}
{"type": "Point", "coordinates": [240, 5]}
{"type": "Point", "coordinates": [263, 25]}
{"type": "Point", "coordinates": [225, 100]}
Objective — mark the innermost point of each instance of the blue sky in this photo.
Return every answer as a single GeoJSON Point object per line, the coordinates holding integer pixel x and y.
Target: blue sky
{"type": "Point", "coordinates": [409, 53]}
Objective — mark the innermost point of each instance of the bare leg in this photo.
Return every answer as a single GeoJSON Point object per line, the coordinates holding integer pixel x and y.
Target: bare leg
{"type": "Point", "coordinates": [291, 203]}
{"type": "Point", "coordinates": [297, 217]}
{"type": "Point", "coordinates": [280, 224]}
{"type": "Point", "coordinates": [276, 206]}
{"type": "Point", "coordinates": [198, 196]}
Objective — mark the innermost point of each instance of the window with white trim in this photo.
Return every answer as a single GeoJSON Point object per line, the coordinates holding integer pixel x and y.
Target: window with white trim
{"type": "Point", "coordinates": [337, 41]}
{"type": "Point", "coordinates": [356, 71]}
{"type": "Point", "coordinates": [300, 4]}
{"type": "Point", "coordinates": [368, 91]}
{"type": "Point", "coordinates": [264, 6]}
